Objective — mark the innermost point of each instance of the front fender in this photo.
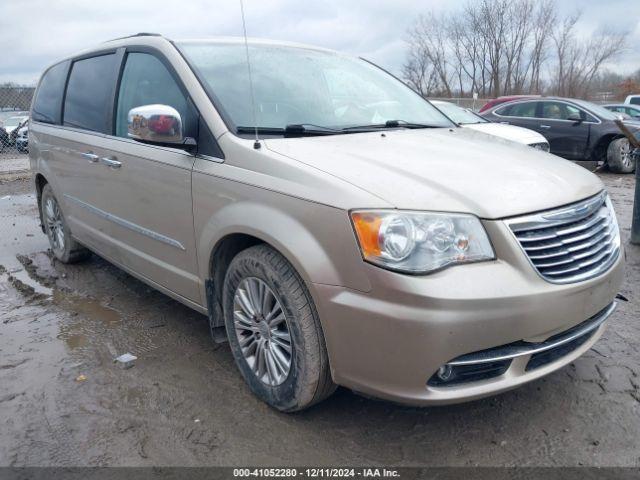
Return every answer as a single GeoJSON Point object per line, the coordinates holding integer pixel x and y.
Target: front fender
{"type": "Point", "coordinates": [316, 239]}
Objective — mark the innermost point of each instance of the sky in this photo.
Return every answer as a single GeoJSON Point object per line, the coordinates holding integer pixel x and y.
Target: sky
{"type": "Point", "coordinates": [35, 33]}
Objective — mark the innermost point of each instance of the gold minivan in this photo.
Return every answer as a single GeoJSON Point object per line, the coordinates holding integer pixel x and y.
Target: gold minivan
{"type": "Point", "coordinates": [336, 228]}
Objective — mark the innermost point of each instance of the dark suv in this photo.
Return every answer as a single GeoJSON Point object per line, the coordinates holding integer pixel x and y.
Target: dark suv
{"type": "Point", "coordinates": [576, 130]}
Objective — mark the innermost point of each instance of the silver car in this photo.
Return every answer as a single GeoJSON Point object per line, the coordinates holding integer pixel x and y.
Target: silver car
{"type": "Point", "coordinates": [334, 226]}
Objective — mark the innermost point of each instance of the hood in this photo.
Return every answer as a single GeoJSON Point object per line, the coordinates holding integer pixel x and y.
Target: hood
{"type": "Point", "coordinates": [509, 132]}
{"type": "Point", "coordinates": [454, 170]}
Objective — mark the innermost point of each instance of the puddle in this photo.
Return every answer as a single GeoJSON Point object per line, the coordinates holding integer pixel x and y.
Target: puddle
{"type": "Point", "coordinates": [88, 308]}
{"type": "Point", "coordinates": [93, 318]}
{"type": "Point", "coordinates": [35, 277]}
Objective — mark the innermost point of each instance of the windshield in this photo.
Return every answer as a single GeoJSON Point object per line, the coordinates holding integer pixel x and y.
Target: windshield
{"type": "Point", "coordinates": [13, 121]}
{"type": "Point", "coordinates": [597, 109]}
{"type": "Point", "coordinates": [458, 114]}
{"type": "Point", "coordinates": [299, 86]}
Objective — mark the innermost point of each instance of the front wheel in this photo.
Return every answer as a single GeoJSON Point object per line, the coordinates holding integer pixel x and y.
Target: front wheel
{"type": "Point", "coordinates": [274, 331]}
{"type": "Point", "coordinates": [619, 156]}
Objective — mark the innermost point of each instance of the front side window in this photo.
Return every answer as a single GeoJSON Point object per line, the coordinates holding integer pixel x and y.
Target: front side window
{"type": "Point", "coordinates": [88, 101]}
{"type": "Point", "coordinates": [525, 109]}
{"type": "Point", "coordinates": [294, 86]}
{"type": "Point", "coordinates": [635, 101]}
{"type": "Point", "coordinates": [47, 106]}
{"type": "Point", "coordinates": [633, 112]}
{"type": "Point", "coordinates": [146, 81]}
{"type": "Point", "coordinates": [560, 111]}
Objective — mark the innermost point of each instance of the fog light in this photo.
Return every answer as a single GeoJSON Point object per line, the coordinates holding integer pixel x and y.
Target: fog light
{"type": "Point", "coordinates": [445, 372]}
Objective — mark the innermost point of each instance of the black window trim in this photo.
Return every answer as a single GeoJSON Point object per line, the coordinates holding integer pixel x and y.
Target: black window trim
{"type": "Point", "coordinates": [64, 89]}
{"type": "Point", "coordinates": [94, 54]}
{"type": "Point", "coordinates": [200, 123]}
{"type": "Point", "coordinates": [121, 56]}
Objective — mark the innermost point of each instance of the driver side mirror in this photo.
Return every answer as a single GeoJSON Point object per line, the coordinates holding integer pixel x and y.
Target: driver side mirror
{"type": "Point", "coordinates": [574, 117]}
{"type": "Point", "coordinates": [157, 124]}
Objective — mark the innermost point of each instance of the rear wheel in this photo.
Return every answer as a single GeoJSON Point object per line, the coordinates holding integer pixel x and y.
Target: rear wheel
{"type": "Point", "coordinates": [63, 246]}
{"type": "Point", "coordinates": [274, 331]}
{"type": "Point", "coordinates": [619, 157]}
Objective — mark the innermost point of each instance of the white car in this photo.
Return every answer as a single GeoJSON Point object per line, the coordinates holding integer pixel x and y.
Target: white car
{"type": "Point", "coordinates": [632, 99]}
{"type": "Point", "coordinates": [11, 123]}
{"type": "Point", "coordinates": [468, 119]}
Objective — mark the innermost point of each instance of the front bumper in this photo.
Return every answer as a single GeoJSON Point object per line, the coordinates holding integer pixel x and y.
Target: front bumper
{"type": "Point", "coordinates": [390, 341]}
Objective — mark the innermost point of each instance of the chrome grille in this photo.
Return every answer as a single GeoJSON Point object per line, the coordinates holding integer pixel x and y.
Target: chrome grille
{"type": "Point", "coordinates": [572, 243]}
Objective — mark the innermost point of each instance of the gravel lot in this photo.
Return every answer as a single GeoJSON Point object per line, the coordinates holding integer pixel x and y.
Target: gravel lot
{"type": "Point", "coordinates": [64, 402]}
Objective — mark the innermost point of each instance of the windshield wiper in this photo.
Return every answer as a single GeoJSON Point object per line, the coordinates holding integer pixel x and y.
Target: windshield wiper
{"type": "Point", "coordinates": [388, 124]}
{"type": "Point", "coordinates": [292, 130]}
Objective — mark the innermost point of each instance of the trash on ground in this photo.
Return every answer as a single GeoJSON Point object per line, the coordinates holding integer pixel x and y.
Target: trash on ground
{"type": "Point", "coordinates": [81, 378]}
{"type": "Point", "coordinates": [126, 360]}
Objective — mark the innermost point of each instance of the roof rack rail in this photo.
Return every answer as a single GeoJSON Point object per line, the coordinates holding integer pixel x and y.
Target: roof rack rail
{"type": "Point", "coordinates": [141, 34]}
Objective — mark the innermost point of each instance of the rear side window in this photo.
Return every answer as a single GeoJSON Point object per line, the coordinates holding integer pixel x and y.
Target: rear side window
{"type": "Point", "coordinates": [146, 81]}
{"type": "Point", "coordinates": [88, 101]}
{"type": "Point", "coordinates": [527, 110]}
{"type": "Point", "coordinates": [47, 106]}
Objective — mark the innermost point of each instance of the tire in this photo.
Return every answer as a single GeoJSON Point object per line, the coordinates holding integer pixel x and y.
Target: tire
{"type": "Point", "coordinates": [619, 158]}
{"type": "Point", "coordinates": [62, 244]}
{"type": "Point", "coordinates": [262, 270]}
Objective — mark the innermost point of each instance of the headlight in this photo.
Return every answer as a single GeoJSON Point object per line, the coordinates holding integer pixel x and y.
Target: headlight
{"type": "Point", "coordinates": [417, 242]}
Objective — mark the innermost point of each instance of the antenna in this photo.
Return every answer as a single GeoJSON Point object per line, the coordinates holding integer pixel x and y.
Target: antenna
{"type": "Point", "coordinates": [256, 144]}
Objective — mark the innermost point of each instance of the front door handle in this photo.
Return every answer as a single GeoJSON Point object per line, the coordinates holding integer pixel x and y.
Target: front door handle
{"type": "Point", "coordinates": [111, 162]}
{"type": "Point", "coordinates": [92, 157]}
{"type": "Point", "coordinates": [545, 126]}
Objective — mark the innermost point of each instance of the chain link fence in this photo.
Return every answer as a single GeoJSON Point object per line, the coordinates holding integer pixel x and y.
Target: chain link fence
{"type": "Point", "coordinates": [14, 120]}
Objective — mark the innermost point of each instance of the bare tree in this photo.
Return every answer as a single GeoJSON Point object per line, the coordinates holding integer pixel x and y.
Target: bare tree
{"type": "Point", "coordinates": [428, 38]}
{"type": "Point", "coordinates": [501, 47]}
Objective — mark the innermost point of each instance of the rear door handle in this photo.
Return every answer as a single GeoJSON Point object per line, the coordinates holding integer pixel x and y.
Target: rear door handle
{"type": "Point", "coordinates": [92, 157]}
{"type": "Point", "coordinates": [545, 126]}
{"type": "Point", "coordinates": [111, 162]}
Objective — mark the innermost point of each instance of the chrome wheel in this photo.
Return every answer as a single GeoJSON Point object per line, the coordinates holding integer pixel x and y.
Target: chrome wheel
{"type": "Point", "coordinates": [625, 153]}
{"type": "Point", "coordinates": [262, 331]}
{"type": "Point", "coordinates": [55, 224]}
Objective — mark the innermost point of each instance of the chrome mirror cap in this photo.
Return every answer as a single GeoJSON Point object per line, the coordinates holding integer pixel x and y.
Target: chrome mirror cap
{"type": "Point", "coordinates": [155, 124]}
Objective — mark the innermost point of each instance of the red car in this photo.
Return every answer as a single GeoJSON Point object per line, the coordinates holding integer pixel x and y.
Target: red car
{"type": "Point", "coordinates": [497, 101]}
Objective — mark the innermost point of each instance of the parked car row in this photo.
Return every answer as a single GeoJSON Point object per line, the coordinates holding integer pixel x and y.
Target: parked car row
{"type": "Point", "coordinates": [575, 129]}
{"type": "Point", "coordinates": [14, 130]}
{"type": "Point", "coordinates": [469, 119]}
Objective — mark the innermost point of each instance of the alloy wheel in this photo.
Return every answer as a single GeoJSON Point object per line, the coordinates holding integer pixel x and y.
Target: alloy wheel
{"type": "Point", "coordinates": [262, 331]}
{"type": "Point", "coordinates": [625, 153]}
{"type": "Point", "coordinates": [55, 224]}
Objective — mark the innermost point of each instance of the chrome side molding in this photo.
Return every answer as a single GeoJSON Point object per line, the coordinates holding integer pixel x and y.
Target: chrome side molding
{"type": "Point", "coordinates": [126, 224]}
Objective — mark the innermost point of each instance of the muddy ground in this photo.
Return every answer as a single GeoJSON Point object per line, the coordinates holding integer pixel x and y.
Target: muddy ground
{"type": "Point", "coordinates": [64, 402]}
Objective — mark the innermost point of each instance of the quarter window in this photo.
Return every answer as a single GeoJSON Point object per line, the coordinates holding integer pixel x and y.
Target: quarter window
{"type": "Point", "coordinates": [146, 81]}
{"type": "Point", "coordinates": [88, 101]}
{"type": "Point", "coordinates": [47, 107]}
